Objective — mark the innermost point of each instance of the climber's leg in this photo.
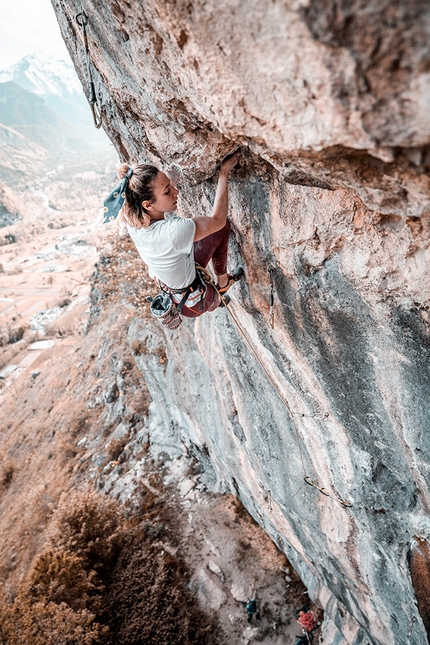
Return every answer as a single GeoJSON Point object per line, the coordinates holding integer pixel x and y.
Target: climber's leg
{"type": "Point", "coordinates": [219, 256]}
{"type": "Point", "coordinates": [214, 247]}
{"type": "Point", "coordinates": [211, 301]}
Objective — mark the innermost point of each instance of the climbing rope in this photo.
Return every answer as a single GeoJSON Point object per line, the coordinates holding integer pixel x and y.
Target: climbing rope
{"type": "Point", "coordinates": [411, 626]}
{"type": "Point", "coordinates": [82, 20]}
{"type": "Point", "coordinates": [306, 478]}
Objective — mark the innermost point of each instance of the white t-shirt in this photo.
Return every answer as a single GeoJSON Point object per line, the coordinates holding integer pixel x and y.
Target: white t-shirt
{"type": "Point", "coordinates": [167, 249]}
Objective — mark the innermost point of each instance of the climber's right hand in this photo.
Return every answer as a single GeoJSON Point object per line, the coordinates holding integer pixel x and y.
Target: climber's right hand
{"type": "Point", "coordinates": [174, 173]}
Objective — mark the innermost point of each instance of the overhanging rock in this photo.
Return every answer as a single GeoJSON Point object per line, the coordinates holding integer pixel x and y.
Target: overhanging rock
{"type": "Point", "coordinates": [330, 102]}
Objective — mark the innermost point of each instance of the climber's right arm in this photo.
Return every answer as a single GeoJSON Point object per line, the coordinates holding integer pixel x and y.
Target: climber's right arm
{"type": "Point", "coordinates": [207, 225]}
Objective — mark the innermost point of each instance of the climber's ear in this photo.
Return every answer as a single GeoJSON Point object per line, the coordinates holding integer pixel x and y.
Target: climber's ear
{"type": "Point", "coordinates": [147, 206]}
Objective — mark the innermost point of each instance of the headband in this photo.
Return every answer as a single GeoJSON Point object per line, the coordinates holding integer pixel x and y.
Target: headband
{"type": "Point", "coordinates": [115, 200]}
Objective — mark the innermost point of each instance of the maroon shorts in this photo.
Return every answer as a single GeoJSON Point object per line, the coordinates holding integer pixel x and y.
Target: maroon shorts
{"type": "Point", "coordinates": [213, 247]}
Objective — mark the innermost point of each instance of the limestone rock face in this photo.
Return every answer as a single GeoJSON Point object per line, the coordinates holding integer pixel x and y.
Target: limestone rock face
{"type": "Point", "coordinates": [330, 101]}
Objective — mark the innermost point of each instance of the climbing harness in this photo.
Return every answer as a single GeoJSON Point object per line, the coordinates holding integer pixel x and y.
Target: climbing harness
{"type": "Point", "coordinates": [82, 20]}
{"type": "Point", "coordinates": [411, 626]}
{"type": "Point", "coordinates": [167, 306]}
{"type": "Point", "coordinates": [181, 296]}
{"type": "Point", "coordinates": [272, 298]}
{"type": "Point", "coordinates": [306, 478]}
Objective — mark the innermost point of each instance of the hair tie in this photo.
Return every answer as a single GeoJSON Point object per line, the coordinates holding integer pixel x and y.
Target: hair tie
{"type": "Point", "coordinates": [115, 200]}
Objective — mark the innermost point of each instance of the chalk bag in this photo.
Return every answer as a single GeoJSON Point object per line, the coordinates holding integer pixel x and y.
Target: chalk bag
{"type": "Point", "coordinates": [164, 310]}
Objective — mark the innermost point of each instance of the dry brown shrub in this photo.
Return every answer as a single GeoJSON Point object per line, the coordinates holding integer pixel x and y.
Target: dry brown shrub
{"type": "Point", "coordinates": [138, 348]}
{"type": "Point", "coordinates": [68, 323]}
{"type": "Point", "coordinates": [102, 582]}
{"type": "Point", "coordinates": [10, 353]}
{"type": "Point", "coordinates": [59, 602]}
{"type": "Point", "coordinates": [149, 601]}
{"type": "Point", "coordinates": [115, 448]}
{"type": "Point", "coordinates": [90, 526]}
{"type": "Point", "coordinates": [46, 623]}
{"type": "Point", "coordinates": [12, 331]}
{"type": "Point", "coordinates": [79, 425]}
{"type": "Point", "coordinates": [66, 447]}
{"type": "Point", "coordinates": [60, 577]}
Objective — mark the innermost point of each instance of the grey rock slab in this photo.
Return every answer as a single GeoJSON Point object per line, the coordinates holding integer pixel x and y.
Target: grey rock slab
{"type": "Point", "coordinates": [212, 566]}
{"type": "Point", "coordinates": [249, 634]}
{"type": "Point", "coordinates": [41, 344]}
{"type": "Point", "coordinates": [210, 83]}
{"type": "Point", "coordinates": [7, 370]}
{"type": "Point", "coordinates": [121, 430]}
{"type": "Point", "coordinates": [185, 486]}
{"type": "Point", "coordinates": [209, 595]}
{"type": "Point", "coordinates": [240, 592]}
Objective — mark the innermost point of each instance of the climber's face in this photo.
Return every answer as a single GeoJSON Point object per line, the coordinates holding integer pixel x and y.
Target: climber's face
{"type": "Point", "coordinates": [165, 197]}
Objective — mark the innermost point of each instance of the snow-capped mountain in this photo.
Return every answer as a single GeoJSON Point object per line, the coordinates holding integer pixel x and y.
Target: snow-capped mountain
{"type": "Point", "coordinates": [41, 74]}
{"type": "Point", "coordinates": [45, 124]}
{"type": "Point", "coordinates": [55, 81]}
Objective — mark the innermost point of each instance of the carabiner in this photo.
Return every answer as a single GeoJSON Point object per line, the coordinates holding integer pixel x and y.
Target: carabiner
{"type": "Point", "coordinates": [84, 22]}
{"type": "Point", "coordinates": [97, 117]}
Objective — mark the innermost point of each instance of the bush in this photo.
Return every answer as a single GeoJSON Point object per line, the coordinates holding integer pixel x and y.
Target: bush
{"type": "Point", "coordinates": [90, 526]}
{"type": "Point", "coordinates": [10, 333]}
{"type": "Point", "coordinates": [149, 602]}
{"type": "Point", "coordinates": [102, 582]}
{"type": "Point", "coordinates": [7, 470]}
{"type": "Point", "coordinates": [46, 623]}
{"type": "Point", "coordinates": [121, 277]}
{"type": "Point", "coordinates": [59, 602]}
{"type": "Point", "coordinates": [115, 448]}
{"type": "Point", "coordinates": [60, 577]}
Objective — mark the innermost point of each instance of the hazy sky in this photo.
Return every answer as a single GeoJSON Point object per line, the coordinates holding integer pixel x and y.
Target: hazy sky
{"type": "Point", "coordinates": [27, 26]}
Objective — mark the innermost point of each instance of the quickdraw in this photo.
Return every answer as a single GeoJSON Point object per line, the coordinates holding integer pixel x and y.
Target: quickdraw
{"type": "Point", "coordinates": [312, 416]}
{"type": "Point", "coordinates": [325, 492]}
{"type": "Point", "coordinates": [413, 620]}
{"type": "Point", "coordinates": [272, 299]}
{"type": "Point", "coordinates": [82, 20]}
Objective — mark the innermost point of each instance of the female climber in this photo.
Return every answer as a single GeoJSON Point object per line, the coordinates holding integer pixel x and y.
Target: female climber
{"type": "Point", "coordinates": [172, 247]}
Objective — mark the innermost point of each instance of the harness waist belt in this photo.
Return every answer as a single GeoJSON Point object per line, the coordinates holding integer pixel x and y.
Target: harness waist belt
{"type": "Point", "coordinates": [196, 285]}
{"type": "Point", "coordinates": [191, 287]}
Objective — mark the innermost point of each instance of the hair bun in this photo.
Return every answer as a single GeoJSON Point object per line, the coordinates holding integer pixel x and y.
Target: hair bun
{"type": "Point", "coordinates": [122, 170]}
